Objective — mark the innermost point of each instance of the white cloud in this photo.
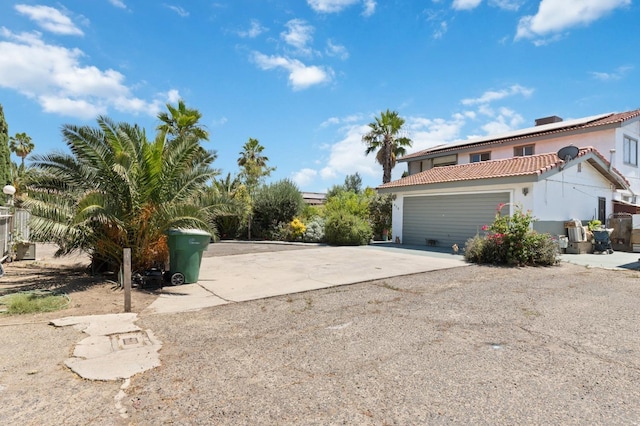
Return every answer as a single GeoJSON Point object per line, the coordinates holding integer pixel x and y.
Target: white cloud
{"type": "Point", "coordinates": [301, 76]}
{"type": "Point", "coordinates": [298, 35]}
{"type": "Point", "coordinates": [336, 50]}
{"type": "Point", "coordinates": [50, 19]}
{"type": "Point", "coordinates": [335, 6]}
{"type": "Point", "coordinates": [616, 75]}
{"type": "Point", "coordinates": [369, 7]}
{"type": "Point", "coordinates": [505, 121]}
{"type": "Point", "coordinates": [118, 3]}
{"type": "Point", "coordinates": [426, 133]}
{"type": "Point", "coordinates": [507, 4]}
{"type": "Point", "coordinates": [441, 30]}
{"type": "Point", "coordinates": [55, 77]}
{"type": "Point", "coordinates": [304, 177]}
{"type": "Point", "coordinates": [173, 96]}
{"type": "Point", "coordinates": [347, 156]}
{"type": "Point", "coordinates": [179, 10]}
{"type": "Point", "coordinates": [555, 16]}
{"type": "Point", "coordinates": [71, 107]}
{"type": "Point", "coordinates": [254, 31]}
{"type": "Point", "coordinates": [465, 4]}
{"type": "Point", "coordinates": [493, 95]}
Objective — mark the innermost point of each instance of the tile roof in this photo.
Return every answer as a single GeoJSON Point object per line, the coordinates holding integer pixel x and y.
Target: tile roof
{"type": "Point", "coordinates": [522, 134]}
{"type": "Point", "coordinates": [532, 165]}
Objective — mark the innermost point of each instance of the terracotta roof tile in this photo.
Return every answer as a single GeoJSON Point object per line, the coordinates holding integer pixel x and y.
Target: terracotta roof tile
{"type": "Point", "coordinates": [510, 167]}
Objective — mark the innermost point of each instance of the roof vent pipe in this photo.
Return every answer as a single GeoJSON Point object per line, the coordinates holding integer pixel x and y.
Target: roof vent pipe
{"type": "Point", "coordinates": [611, 153]}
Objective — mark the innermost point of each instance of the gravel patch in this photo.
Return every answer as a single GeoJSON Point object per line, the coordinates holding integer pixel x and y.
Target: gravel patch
{"type": "Point", "coordinates": [468, 345]}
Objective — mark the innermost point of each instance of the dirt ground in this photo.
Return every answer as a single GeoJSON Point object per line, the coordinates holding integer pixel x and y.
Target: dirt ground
{"type": "Point", "coordinates": [471, 345]}
{"type": "Point", "coordinates": [95, 295]}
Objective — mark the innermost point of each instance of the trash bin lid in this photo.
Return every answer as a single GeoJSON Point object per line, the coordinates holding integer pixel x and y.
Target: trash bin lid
{"type": "Point", "coordinates": [182, 231]}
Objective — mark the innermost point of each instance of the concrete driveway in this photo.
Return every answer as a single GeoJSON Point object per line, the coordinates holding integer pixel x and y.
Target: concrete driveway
{"type": "Point", "coordinates": [253, 276]}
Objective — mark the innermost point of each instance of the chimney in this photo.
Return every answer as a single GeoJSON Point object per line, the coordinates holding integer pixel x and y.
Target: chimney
{"type": "Point", "coordinates": [548, 120]}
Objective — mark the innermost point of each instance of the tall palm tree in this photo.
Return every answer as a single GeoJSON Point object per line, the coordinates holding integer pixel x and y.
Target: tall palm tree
{"type": "Point", "coordinates": [253, 163]}
{"type": "Point", "coordinates": [21, 145]}
{"type": "Point", "coordinates": [254, 168]}
{"type": "Point", "coordinates": [181, 121]}
{"type": "Point", "coordinates": [118, 189]}
{"type": "Point", "coordinates": [384, 140]}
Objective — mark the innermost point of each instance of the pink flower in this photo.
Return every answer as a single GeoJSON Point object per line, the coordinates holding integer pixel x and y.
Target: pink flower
{"type": "Point", "coordinates": [485, 227]}
{"type": "Point", "coordinates": [500, 206]}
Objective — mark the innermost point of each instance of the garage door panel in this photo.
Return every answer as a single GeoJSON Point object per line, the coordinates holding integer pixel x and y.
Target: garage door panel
{"type": "Point", "coordinates": [448, 219]}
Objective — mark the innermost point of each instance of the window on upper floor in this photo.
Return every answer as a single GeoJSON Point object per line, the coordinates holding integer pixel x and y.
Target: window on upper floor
{"type": "Point", "coordinates": [524, 150]}
{"type": "Point", "coordinates": [481, 156]}
{"type": "Point", "coordinates": [630, 151]}
{"type": "Point", "coordinates": [445, 160]}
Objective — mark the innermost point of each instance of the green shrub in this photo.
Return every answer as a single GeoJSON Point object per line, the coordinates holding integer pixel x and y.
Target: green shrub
{"type": "Point", "coordinates": [348, 202]}
{"type": "Point", "coordinates": [277, 203]}
{"type": "Point", "coordinates": [315, 230]}
{"type": "Point", "coordinates": [380, 213]}
{"type": "Point", "coordinates": [346, 229]}
{"type": "Point", "coordinates": [511, 241]}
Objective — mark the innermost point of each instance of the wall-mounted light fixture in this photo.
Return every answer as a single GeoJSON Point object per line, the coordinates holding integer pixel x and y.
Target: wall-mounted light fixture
{"type": "Point", "coordinates": [525, 191]}
{"type": "Point", "coordinates": [393, 197]}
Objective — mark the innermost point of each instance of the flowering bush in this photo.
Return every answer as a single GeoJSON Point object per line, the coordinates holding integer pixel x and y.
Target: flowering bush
{"type": "Point", "coordinates": [510, 240]}
{"type": "Point", "coordinates": [315, 230]}
{"type": "Point", "coordinates": [297, 229]}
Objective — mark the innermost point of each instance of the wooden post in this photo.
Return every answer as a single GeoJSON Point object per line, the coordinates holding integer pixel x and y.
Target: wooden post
{"type": "Point", "coordinates": [126, 278]}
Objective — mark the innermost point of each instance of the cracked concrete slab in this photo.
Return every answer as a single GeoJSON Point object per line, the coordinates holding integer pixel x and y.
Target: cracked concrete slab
{"type": "Point", "coordinates": [115, 349]}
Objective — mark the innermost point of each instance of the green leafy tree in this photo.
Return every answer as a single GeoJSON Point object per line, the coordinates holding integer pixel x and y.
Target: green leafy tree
{"type": "Point", "coordinates": [380, 210]}
{"type": "Point", "coordinates": [5, 153]}
{"type": "Point", "coordinates": [118, 189]}
{"type": "Point", "coordinates": [385, 141]}
{"type": "Point", "coordinates": [353, 183]}
{"type": "Point", "coordinates": [275, 206]}
{"type": "Point", "coordinates": [21, 145]}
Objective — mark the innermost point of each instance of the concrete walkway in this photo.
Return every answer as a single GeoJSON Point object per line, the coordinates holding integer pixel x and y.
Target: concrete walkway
{"type": "Point", "coordinates": [253, 276]}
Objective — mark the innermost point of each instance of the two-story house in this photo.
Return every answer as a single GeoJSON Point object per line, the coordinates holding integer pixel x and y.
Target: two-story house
{"type": "Point", "coordinates": [452, 190]}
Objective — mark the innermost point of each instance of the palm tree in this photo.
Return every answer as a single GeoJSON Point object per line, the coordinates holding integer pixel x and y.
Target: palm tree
{"type": "Point", "coordinates": [253, 163]}
{"type": "Point", "coordinates": [118, 189]}
{"type": "Point", "coordinates": [383, 138]}
{"type": "Point", "coordinates": [254, 168]}
{"type": "Point", "coordinates": [181, 121]}
{"type": "Point", "coordinates": [21, 145]}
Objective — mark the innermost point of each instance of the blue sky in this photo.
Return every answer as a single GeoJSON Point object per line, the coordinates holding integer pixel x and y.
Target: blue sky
{"type": "Point", "coordinates": [305, 77]}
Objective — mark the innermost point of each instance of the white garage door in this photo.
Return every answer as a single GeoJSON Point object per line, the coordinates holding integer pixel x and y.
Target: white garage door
{"type": "Point", "coordinates": [448, 219]}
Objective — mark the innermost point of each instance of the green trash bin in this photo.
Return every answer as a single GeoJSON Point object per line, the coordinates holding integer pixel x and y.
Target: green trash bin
{"type": "Point", "coordinates": [185, 254]}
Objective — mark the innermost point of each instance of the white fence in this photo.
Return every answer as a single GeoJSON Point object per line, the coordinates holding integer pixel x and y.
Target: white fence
{"type": "Point", "coordinates": [13, 226]}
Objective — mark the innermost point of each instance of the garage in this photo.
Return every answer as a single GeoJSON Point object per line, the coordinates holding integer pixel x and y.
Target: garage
{"type": "Point", "coordinates": [443, 220]}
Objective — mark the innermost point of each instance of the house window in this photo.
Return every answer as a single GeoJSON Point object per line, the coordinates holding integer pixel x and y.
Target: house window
{"type": "Point", "coordinates": [521, 151]}
{"type": "Point", "coordinates": [445, 160]}
{"type": "Point", "coordinates": [483, 156]}
{"type": "Point", "coordinates": [630, 151]}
